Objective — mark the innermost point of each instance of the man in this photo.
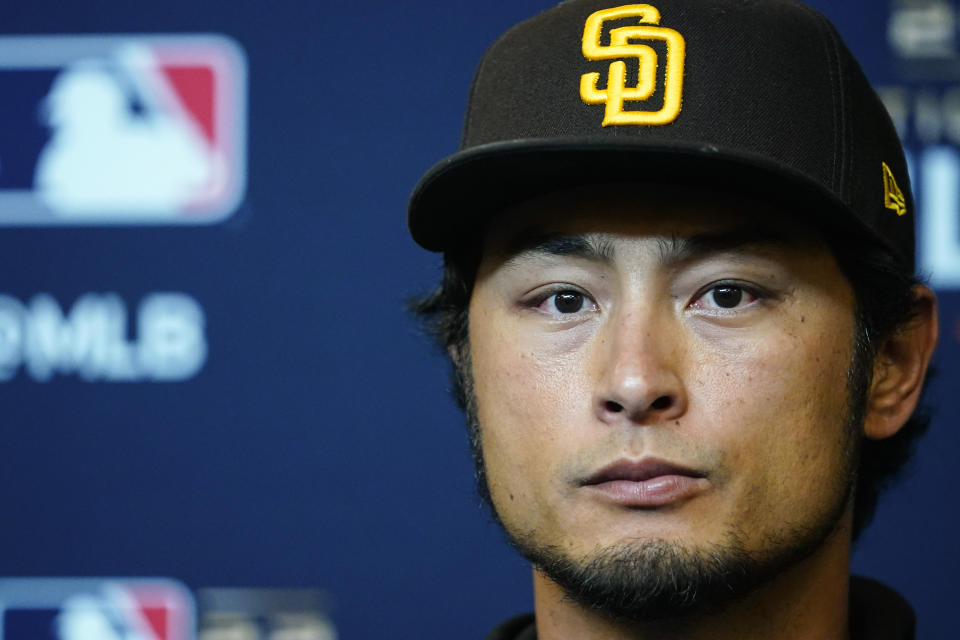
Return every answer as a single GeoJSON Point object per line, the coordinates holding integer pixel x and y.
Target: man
{"type": "Point", "coordinates": [680, 304]}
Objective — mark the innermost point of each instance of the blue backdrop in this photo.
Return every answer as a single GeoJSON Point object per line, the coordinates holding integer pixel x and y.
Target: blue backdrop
{"type": "Point", "coordinates": [315, 446]}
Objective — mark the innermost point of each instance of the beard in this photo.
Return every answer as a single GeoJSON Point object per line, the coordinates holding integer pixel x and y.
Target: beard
{"type": "Point", "coordinates": [658, 579]}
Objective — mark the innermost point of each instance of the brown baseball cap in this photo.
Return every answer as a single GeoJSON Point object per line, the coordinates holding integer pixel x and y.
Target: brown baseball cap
{"type": "Point", "coordinates": [759, 96]}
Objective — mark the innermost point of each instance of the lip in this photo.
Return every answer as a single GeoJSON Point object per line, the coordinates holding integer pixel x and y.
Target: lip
{"type": "Point", "coordinates": [647, 483]}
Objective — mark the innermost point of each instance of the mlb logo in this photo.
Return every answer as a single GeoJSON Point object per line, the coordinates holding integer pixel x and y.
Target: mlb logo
{"type": "Point", "coordinates": [91, 609]}
{"type": "Point", "coordinates": [121, 129]}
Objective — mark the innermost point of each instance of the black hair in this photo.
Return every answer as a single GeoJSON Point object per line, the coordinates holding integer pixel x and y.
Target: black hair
{"type": "Point", "coordinates": [885, 291]}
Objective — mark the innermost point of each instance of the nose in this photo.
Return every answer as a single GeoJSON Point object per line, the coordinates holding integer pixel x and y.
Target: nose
{"type": "Point", "coordinates": [640, 379]}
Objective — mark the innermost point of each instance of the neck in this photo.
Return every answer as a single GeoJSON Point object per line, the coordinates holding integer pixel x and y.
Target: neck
{"type": "Point", "coordinates": [809, 600]}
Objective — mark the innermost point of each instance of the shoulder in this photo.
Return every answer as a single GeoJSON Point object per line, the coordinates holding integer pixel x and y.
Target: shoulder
{"type": "Point", "coordinates": [519, 628]}
{"type": "Point", "coordinates": [879, 612]}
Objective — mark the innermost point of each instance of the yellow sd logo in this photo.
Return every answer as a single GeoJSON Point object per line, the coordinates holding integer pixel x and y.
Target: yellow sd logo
{"type": "Point", "coordinates": [617, 91]}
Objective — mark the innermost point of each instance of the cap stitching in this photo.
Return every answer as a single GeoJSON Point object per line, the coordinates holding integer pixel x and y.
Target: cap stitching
{"type": "Point", "coordinates": [844, 110]}
{"type": "Point", "coordinates": [487, 56]}
{"type": "Point", "coordinates": [841, 139]}
{"type": "Point", "coordinates": [468, 119]}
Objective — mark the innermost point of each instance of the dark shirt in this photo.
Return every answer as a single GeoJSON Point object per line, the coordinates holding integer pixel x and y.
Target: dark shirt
{"type": "Point", "coordinates": [876, 613]}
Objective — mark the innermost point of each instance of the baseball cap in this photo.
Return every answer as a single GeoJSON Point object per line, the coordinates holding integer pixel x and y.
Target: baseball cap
{"type": "Point", "coordinates": [757, 96]}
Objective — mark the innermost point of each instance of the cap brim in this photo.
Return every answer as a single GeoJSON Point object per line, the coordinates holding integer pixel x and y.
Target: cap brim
{"type": "Point", "coordinates": [454, 199]}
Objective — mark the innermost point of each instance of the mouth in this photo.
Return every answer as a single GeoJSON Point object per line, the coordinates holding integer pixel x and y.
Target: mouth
{"type": "Point", "coordinates": [647, 483]}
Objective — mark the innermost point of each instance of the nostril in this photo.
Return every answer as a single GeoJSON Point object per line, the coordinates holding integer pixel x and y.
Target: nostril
{"type": "Point", "coordinates": [663, 402]}
{"type": "Point", "coordinates": [612, 406]}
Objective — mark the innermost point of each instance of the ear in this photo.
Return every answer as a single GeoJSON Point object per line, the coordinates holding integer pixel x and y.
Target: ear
{"type": "Point", "coordinates": [900, 368]}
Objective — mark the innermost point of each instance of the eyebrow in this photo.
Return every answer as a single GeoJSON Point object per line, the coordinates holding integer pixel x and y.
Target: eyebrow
{"type": "Point", "coordinates": [672, 250]}
{"type": "Point", "coordinates": [675, 250]}
{"type": "Point", "coordinates": [590, 246]}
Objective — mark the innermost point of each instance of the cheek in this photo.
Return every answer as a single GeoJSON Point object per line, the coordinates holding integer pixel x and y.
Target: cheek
{"type": "Point", "coordinates": [526, 396]}
{"type": "Point", "coordinates": [779, 406]}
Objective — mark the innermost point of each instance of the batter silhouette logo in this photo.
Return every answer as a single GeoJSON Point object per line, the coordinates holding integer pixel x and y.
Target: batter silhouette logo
{"type": "Point", "coordinates": [94, 609]}
{"type": "Point", "coordinates": [121, 129]}
{"type": "Point", "coordinates": [618, 95]}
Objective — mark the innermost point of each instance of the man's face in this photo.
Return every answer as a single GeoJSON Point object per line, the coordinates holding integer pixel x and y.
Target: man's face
{"type": "Point", "coordinates": [664, 373]}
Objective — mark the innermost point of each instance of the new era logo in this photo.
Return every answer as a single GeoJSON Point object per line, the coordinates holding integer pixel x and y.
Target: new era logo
{"type": "Point", "coordinates": [893, 197]}
{"type": "Point", "coordinates": [121, 129]}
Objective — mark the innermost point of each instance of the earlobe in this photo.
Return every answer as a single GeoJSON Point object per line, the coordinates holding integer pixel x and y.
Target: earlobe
{"type": "Point", "coordinates": [900, 368]}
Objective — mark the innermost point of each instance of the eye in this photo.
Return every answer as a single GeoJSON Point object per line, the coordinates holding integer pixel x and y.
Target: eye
{"type": "Point", "coordinates": [565, 302]}
{"type": "Point", "coordinates": [725, 296]}
{"type": "Point", "coordinates": [568, 301]}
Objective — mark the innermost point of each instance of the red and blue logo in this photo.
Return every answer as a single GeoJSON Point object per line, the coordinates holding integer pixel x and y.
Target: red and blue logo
{"type": "Point", "coordinates": [92, 609]}
{"type": "Point", "coordinates": [121, 129]}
